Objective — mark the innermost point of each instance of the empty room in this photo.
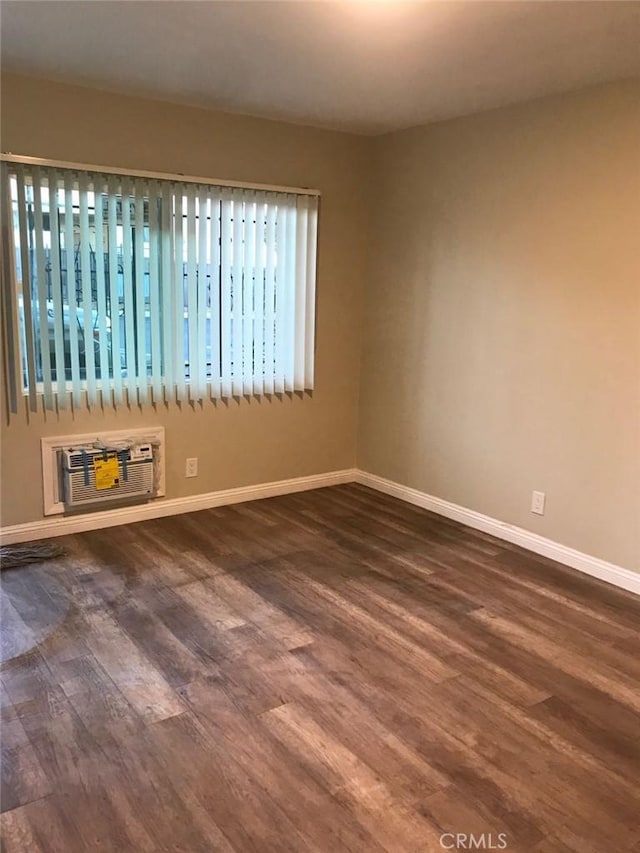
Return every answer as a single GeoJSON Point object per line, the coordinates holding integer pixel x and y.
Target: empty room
{"type": "Point", "coordinates": [320, 426]}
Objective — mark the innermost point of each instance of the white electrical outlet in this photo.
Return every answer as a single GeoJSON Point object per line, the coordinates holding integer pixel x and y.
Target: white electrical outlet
{"type": "Point", "coordinates": [537, 503]}
{"type": "Point", "coordinates": [192, 467]}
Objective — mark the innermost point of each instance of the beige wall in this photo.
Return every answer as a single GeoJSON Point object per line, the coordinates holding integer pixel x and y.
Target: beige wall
{"type": "Point", "coordinates": [501, 276]}
{"type": "Point", "coordinates": [502, 331]}
{"type": "Point", "coordinates": [238, 444]}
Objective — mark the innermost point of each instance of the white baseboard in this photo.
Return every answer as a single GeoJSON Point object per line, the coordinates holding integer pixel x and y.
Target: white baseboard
{"type": "Point", "coordinates": [57, 526]}
{"type": "Point", "coordinates": [609, 572]}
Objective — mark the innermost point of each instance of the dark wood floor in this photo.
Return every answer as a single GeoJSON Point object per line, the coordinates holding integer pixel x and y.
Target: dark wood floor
{"type": "Point", "coordinates": [330, 671]}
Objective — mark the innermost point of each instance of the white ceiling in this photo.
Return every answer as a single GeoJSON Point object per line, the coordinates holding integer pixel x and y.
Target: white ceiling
{"type": "Point", "coordinates": [368, 67]}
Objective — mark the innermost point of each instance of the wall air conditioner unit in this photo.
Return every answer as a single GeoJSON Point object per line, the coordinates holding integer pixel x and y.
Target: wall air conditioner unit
{"type": "Point", "coordinates": [93, 476]}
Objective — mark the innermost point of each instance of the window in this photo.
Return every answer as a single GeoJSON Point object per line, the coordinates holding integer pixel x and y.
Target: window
{"type": "Point", "coordinates": [133, 289]}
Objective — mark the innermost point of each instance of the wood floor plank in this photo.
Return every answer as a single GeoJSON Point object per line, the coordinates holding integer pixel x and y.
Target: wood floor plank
{"type": "Point", "coordinates": [322, 672]}
{"type": "Point", "coordinates": [352, 781]}
{"type": "Point", "coordinates": [22, 777]}
{"type": "Point", "coordinates": [615, 750]}
{"type": "Point", "coordinates": [16, 832]}
{"type": "Point", "coordinates": [621, 687]}
{"type": "Point", "coordinates": [210, 607]}
{"type": "Point", "coordinates": [257, 610]}
{"type": "Point", "coordinates": [308, 805]}
{"type": "Point", "coordinates": [139, 681]}
{"type": "Point", "coordinates": [460, 655]}
{"type": "Point", "coordinates": [39, 826]}
{"type": "Point", "coordinates": [209, 772]}
{"type": "Point", "coordinates": [177, 664]}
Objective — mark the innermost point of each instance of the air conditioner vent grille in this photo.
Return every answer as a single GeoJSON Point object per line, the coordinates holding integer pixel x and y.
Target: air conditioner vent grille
{"type": "Point", "coordinates": [135, 481]}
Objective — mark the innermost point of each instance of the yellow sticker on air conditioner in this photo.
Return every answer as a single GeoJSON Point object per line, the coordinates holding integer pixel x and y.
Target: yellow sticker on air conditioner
{"type": "Point", "coordinates": [107, 471]}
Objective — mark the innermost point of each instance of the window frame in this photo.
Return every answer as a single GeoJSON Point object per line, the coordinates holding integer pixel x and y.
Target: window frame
{"type": "Point", "coordinates": [13, 340]}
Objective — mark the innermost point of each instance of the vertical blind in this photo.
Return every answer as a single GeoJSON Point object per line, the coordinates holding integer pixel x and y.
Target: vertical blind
{"type": "Point", "coordinates": [123, 289]}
